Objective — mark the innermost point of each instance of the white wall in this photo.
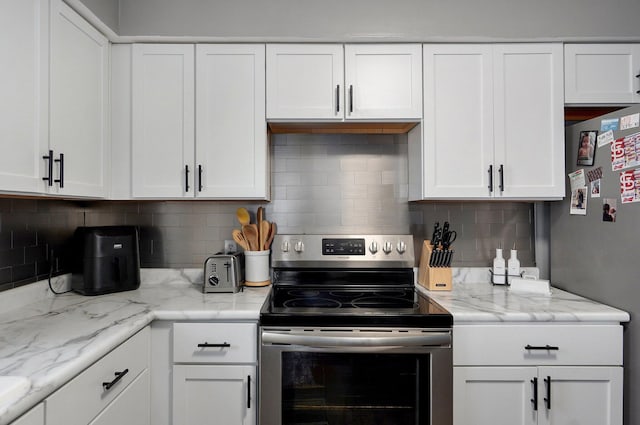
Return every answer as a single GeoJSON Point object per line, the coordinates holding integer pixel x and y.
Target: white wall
{"type": "Point", "coordinates": [351, 20]}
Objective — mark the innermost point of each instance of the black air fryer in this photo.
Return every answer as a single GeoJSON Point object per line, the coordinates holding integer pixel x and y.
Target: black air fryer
{"type": "Point", "coordinates": [105, 260]}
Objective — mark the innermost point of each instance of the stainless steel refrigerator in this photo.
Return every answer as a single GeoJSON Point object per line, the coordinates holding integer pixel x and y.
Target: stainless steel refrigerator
{"type": "Point", "coordinates": [594, 252]}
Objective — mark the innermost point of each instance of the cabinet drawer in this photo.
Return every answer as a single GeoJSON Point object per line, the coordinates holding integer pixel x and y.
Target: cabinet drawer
{"type": "Point", "coordinates": [84, 397]}
{"type": "Point", "coordinates": [215, 342]}
{"type": "Point", "coordinates": [505, 345]}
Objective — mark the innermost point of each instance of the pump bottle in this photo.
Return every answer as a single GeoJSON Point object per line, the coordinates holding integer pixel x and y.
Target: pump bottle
{"type": "Point", "coordinates": [498, 268]}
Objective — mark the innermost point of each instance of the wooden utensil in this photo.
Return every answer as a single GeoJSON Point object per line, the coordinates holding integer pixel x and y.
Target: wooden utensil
{"type": "Point", "coordinates": [250, 232]}
{"type": "Point", "coordinates": [259, 220]}
{"type": "Point", "coordinates": [239, 238]}
{"type": "Point", "coordinates": [272, 233]}
{"type": "Point", "coordinates": [265, 229]}
{"type": "Point", "coordinates": [243, 216]}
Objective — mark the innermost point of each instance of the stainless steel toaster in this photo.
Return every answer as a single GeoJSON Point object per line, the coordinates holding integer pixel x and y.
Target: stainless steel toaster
{"type": "Point", "coordinates": [223, 273]}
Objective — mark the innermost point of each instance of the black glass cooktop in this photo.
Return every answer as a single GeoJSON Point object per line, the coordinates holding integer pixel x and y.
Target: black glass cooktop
{"type": "Point", "coordinates": [350, 297]}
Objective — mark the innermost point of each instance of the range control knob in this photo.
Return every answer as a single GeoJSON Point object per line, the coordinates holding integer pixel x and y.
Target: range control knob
{"type": "Point", "coordinates": [373, 248]}
{"type": "Point", "coordinates": [402, 247]}
{"type": "Point", "coordinates": [387, 247]}
{"type": "Point", "coordinates": [299, 246]}
{"type": "Point", "coordinates": [214, 280]}
{"type": "Point", "coordinates": [285, 246]}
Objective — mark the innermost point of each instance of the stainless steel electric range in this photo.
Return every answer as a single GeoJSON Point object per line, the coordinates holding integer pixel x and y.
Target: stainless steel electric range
{"type": "Point", "coordinates": [346, 339]}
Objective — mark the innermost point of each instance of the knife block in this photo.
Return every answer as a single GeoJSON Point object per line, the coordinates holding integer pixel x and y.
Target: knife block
{"type": "Point", "coordinates": [432, 278]}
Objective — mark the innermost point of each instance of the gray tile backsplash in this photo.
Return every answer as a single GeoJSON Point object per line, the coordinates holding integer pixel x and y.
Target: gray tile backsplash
{"type": "Point", "coordinates": [339, 184]}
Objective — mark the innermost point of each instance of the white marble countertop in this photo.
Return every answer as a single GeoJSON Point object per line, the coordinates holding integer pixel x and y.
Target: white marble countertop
{"type": "Point", "coordinates": [50, 339]}
{"type": "Point", "coordinates": [474, 300]}
{"type": "Point", "coordinates": [53, 339]}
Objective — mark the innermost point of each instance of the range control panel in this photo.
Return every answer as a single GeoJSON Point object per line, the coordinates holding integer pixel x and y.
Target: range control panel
{"type": "Point", "coordinates": [343, 247]}
{"type": "Point", "coordinates": [342, 251]}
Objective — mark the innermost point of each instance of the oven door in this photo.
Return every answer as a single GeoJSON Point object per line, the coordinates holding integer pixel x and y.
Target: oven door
{"type": "Point", "coordinates": [350, 377]}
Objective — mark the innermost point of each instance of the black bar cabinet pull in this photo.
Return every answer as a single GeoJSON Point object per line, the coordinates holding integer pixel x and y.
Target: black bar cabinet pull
{"type": "Point", "coordinates": [547, 399]}
{"type": "Point", "coordinates": [49, 178]}
{"type": "Point", "coordinates": [60, 181]}
{"type": "Point", "coordinates": [186, 178]}
{"type": "Point", "coordinates": [501, 171]}
{"type": "Point", "coordinates": [541, 347]}
{"type": "Point", "coordinates": [534, 400]}
{"type": "Point", "coordinates": [490, 178]}
{"type": "Point", "coordinates": [338, 98]}
{"type": "Point", "coordinates": [199, 177]}
{"type": "Point", "coordinates": [248, 391]}
{"type": "Point", "coordinates": [351, 98]}
{"type": "Point", "coordinates": [107, 385]}
{"type": "Point", "coordinates": [207, 345]}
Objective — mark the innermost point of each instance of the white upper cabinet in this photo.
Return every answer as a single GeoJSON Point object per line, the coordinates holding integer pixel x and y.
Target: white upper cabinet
{"type": "Point", "coordinates": [458, 120]}
{"type": "Point", "coordinates": [383, 81]}
{"type": "Point", "coordinates": [493, 123]}
{"type": "Point", "coordinates": [231, 130]}
{"type": "Point", "coordinates": [78, 108]}
{"type": "Point", "coordinates": [528, 121]}
{"type": "Point", "coordinates": [23, 93]}
{"type": "Point", "coordinates": [335, 83]}
{"type": "Point", "coordinates": [163, 85]}
{"type": "Point", "coordinates": [198, 121]}
{"type": "Point", "coordinates": [305, 81]}
{"type": "Point", "coordinates": [602, 73]}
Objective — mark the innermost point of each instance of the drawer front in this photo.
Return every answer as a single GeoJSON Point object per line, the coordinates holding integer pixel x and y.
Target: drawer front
{"type": "Point", "coordinates": [507, 345]}
{"type": "Point", "coordinates": [84, 397]}
{"type": "Point", "coordinates": [215, 342]}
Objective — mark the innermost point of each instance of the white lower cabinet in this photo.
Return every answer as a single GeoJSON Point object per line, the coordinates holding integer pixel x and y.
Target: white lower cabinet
{"type": "Point", "coordinates": [113, 390]}
{"type": "Point", "coordinates": [544, 395]}
{"type": "Point", "coordinates": [537, 375]}
{"type": "Point", "coordinates": [214, 373]}
{"type": "Point", "coordinates": [214, 394]}
{"type": "Point", "coordinates": [131, 407]}
{"type": "Point", "coordinates": [35, 416]}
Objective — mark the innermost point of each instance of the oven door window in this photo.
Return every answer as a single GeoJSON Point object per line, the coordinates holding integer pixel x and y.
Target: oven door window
{"type": "Point", "coordinates": [355, 388]}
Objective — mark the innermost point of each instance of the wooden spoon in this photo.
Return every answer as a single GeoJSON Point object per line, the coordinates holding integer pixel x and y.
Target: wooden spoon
{"type": "Point", "coordinates": [265, 229]}
{"type": "Point", "coordinates": [239, 238]}
{"type": "Point", "coordinates": [243, 216]}
{"type": "Point", "coordinates": [250, 232]}
{"type": "Point", "coordinates": [272, 233]}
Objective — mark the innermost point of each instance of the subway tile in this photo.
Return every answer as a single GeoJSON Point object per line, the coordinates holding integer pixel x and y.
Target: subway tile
{"type": "Point", "coordinates": [489, 216]}
{"type": "Point", "coordinates": [353, 164]}
{"type": "Point", "coordinates": [25, 271]}
{"type": "Point", "coordinates": [368, 178]}
{"type": "Point", "coordinates": [33, 254]}
{"type": "Point", "coordinates": [11, 257]}
{"type": "Point", "coordinates": [23, 238]}
{"type": "Point", "coordinates": [5, 275]}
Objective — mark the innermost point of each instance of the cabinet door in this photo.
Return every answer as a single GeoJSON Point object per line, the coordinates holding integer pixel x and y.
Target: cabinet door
{"type": "Point", "coordinates": [383, 81]}
{"type": "Point", "coordinates": [23, 93]}
{"type": "Point", "coordinates": [494, 395]}
{"type": "Point", "coordinates": [79, 77]}
{"type": "Point", "coordinates": [163, 121]}
{"type": "Point", "coordinates": [581, 395]}
{"type": "Point", "coordinates": [305, 81]}
{"type": "Point", "coordinates": [35, 416]}
{"type": "Point", "coordinates": [601, 73]}
{"type": "Point", "coordinates": [131, 407]}
{"type": "Point", "coordinates": [214, 395]}
{"type": "Point", "coordinates": [529, 121]}
{"type": "Point", "coordinates": [458, 121]}
{"type": "Point", "coordinates": [231, 132]}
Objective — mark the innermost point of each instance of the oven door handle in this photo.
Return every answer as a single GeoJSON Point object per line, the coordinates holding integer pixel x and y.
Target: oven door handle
{"type": "Point", "coordinates": [348, 339]}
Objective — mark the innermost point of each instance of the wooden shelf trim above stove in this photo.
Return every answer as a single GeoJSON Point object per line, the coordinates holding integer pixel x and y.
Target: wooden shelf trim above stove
{"type": "Point", "coordinates": [341, 127]}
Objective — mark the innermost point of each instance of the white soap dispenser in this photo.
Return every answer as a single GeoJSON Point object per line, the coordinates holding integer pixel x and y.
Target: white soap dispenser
{"type": "Point", "coordinates": [498, 268]}
{"type": "Point", "coordinates": [513, 265]}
